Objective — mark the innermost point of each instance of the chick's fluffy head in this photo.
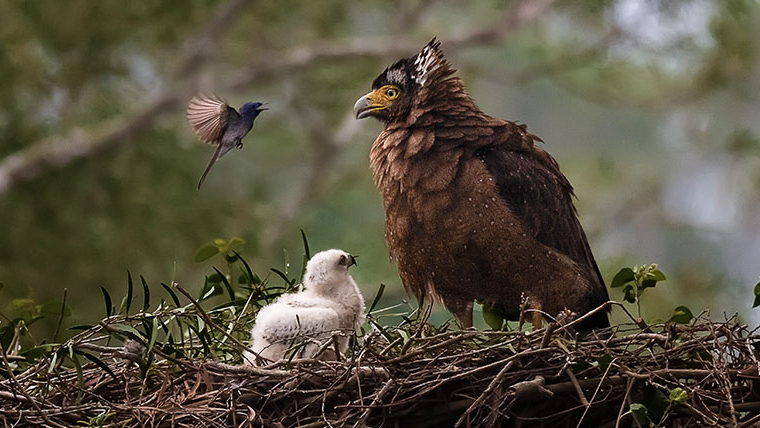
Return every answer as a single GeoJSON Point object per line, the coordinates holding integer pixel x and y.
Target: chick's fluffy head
{"type": "Point", "coordinates": [327, 272]}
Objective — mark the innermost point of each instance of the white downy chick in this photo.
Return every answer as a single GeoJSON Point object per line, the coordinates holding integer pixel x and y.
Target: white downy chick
{"type": "Point", "coordinates": [330, 302]}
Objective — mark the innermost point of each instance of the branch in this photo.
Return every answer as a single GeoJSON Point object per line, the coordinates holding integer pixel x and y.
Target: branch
{"type": "Point", "coordinates": [56, 153]}
{"type": "Point", "coordinates": [301, 58]}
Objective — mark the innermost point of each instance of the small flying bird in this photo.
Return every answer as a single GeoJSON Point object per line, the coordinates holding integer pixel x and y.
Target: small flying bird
{"type": "Point", "coordinates": [215, 122]}
{"type": "Point", "coordinates": [330, 303]}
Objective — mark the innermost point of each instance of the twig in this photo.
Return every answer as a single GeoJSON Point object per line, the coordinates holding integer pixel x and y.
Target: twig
{"type": "Point", "coordinates": [577, 386]}
{"type": "Point", "coordinates": [423, 350]}
{"type": "Point", "coordinates": [482, 397]}
{"type": "Point", "coordinates": [23, 391]}
{"type": "Point", "coordinates": [378, 398]}
{"type": "Point", "coordinates": [628, 387]}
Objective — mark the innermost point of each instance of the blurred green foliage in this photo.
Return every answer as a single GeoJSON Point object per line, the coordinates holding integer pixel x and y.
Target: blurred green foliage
{"type": "Point", "coordinates": [633, 98]}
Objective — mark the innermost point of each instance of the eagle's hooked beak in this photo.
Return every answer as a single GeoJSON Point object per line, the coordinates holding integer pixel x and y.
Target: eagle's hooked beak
{"type": "Point", "coordinates": [370, 103]}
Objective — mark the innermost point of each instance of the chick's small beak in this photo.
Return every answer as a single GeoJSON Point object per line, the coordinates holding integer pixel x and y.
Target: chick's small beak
{"type": "Point", "coordinates": [351, 260]}
{"type": "Point", "coordinates": [369, 103]}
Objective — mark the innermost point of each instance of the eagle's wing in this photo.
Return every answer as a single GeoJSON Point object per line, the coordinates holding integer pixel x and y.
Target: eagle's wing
{"type": "Point", "coordinates": [209, 116]}
{"type": "Point", "coordinates": [281, 323]}
{"type": "Point", "coordinates": [530, 182]}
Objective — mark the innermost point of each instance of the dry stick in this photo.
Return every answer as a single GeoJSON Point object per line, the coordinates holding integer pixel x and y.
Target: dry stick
{"type": "Point", "coordinates": [577, 386]}
{"type": "Point", "coordinates": [443, 344]}
{"type": "Point", "coordinates": [249, 370]}
{"type": "Point", "coordinates": [337, 348]}
{"type": "Point", "coordinates": [628, 388]}
{"type": "Point", "coordinates": [23, 391]}
{"type": "Point", "coordinates": [491, 386]}
{"type": "Point", "coordinates": [598, 387]}
{"type": "Point", "coordinates": [602, 307]}
{"type": "Point", "coordinates": [548, 334]}
{"type": "Point", "coordinates": [750, 422]}
{"type": "Point", "coordinates": [378, 397]}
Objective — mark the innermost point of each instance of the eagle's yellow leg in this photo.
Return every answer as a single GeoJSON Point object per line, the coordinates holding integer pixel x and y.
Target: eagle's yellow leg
{"type": "Point", "coordinates": [536, 317]}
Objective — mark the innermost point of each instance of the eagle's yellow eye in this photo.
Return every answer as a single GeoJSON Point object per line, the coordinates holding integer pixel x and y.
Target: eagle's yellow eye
{"type": "Point", "coordinates": [391, 92]}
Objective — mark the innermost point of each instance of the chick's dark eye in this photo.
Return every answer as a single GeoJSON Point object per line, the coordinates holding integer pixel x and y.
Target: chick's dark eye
{"type": "Point", "coordinates": [342, 260]}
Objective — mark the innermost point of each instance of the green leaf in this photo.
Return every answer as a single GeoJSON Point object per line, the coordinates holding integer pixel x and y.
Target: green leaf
{"type": "Point", "coordinates": [656, 402]}
{"type": "Point", "coordinates": [54, 360]}
{"type": "Point", "coordinates": [657, 275]}
{"type": "Point", "coordinates": [305, 245]}
{"type": "Point", "coordinates": [153, 334]}
{"type": "Point", "coordinates": [647, 283]}
{"type": "Point", "coordinates": [236, 244]}
{"type": "Point", "coordinates": [678, 396]}
{"type": "Point", "coordinates": [756, 303]}
{"type": "Point", "coordinates": [205, 252]}
{"type": "Point", "coordinates": [623, 277]}
{"type": "Point", "coordinates": [215, 278]}
{"type": "Point", "coordinates": [227, 284]}
{"type": "Point", "coordinates": [681, 315]}
{"type": "Point", "coordinates": [130, 290]}
{"type": "Point", "coordinates": [210, 289]}
{"type": "Point", "coordinates": [127, 330]}
{"type": "Point", "coordinates": [378, 295]}
{"type": "Point", "coordinates": [493, 317]}
{"type": "Point", "coordinates": [639, 412]}
{"type": "Point", "coordinates": [604, 362]}
{"type": "Point", "coordinates": [98, 362]}
{"type": "Point", "coordinates": [107, 299]}
{"type": "Point", "coordinates": [203, 337]}
{"type": "Point", "coordinates": [81, 327]}
{"type": "Point", "coordinates": [146, 294]}
{"type": "Point", "coordinates": [283, 276]}
{"type": "Point", "coordinates": [629, 293]}
{"type": "Point", "coordinates": [247, 269]}
{"type": "Point", "coordinates": [172, 294]}
{"type": "Point", "coordinates": [37, 351]}
{"type": "Point", "coordinates": [80, 376]}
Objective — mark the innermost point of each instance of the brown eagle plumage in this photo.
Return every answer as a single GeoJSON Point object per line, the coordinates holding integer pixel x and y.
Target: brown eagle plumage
{"type": "Point", "coordinates": [475, 210]}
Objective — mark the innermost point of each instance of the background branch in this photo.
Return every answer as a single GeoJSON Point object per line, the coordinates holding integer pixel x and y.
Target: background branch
{"type": "Point", "coordinates": [51, 154]}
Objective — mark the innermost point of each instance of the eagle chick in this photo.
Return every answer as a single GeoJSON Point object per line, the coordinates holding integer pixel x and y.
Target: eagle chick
{"type": "Point", "coordinates": [329, 303]}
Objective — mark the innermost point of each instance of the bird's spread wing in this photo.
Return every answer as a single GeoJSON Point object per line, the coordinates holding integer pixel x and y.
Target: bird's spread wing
{"type": "Point", "coordinates": [287, 323]}
{"type": "Point", "coordinates": [209, 116]}
{"type": "Point", "coordinates": [539, 195]}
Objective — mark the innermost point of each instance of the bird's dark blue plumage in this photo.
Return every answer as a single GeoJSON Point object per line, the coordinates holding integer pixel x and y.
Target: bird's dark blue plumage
{"type": "Point", "coordinates": [215, 122]}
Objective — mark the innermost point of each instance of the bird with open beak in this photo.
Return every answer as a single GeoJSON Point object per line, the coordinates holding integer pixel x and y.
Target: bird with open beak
{"type": "Point", "coordinates": [215, 122]}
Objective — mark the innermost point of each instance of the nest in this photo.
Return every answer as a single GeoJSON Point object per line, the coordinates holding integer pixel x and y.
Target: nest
{"type": "Point", "coordinates": [701, 374]}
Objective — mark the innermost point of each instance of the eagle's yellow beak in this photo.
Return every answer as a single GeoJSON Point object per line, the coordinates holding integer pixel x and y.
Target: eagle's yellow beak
{"type": "Point", "coordinates": [370, 103]}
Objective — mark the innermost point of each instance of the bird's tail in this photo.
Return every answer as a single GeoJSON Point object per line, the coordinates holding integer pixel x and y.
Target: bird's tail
{"type": "Point", "coordinates": [217, 154]}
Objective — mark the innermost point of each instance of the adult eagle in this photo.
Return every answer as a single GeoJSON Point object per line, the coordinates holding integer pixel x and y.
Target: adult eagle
{"type": "Point", "coordinates": [474, 209]}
